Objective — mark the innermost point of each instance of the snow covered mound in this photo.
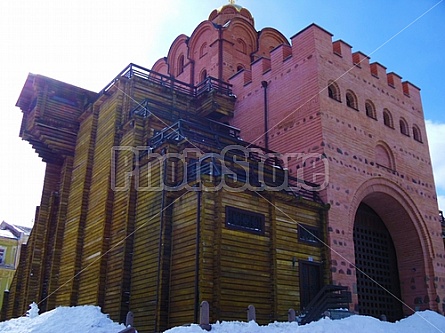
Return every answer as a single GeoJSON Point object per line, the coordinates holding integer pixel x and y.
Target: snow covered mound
{"type": "Point", "coordinates": [90, 319]}
{"type": "Point", "coordinates": [79, 319]}
{"type": "Point", "coordinates": [420, 322]}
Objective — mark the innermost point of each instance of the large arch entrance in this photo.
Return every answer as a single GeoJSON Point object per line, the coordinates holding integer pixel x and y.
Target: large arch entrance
{"type": "Point", "coordinates": [378, 283]}
{"type": "Point", "coordinates": [394, 215]}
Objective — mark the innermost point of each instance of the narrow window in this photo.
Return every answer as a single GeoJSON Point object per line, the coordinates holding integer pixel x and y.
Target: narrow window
{"type": "Point", "coordinates": [387, 118]}
{"type": "Point", "coordinates": [203, 75]}
{"type": "Point", "coordinates": [403, 127]}
{"type": "Point", "coordinates": [417, 134]}
{"type": "Point", "coordinates": [241, 46]}
{"type": "Point", "coordinates": [180, 64]}
{"type": "Point", "coordinates": [203, 50]}
{"type": "Point", "coordinates": [370, 110]}
{"type": "Point", "coordinates": [351, 100]}
{"type": "Point", "coordinates": [2, 255]}
{"type": "Point", "coordinates": [334, 91]}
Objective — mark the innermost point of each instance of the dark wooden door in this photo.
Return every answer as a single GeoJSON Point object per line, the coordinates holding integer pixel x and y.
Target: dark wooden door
{"type": "Point", "coordinates": [310, 282]}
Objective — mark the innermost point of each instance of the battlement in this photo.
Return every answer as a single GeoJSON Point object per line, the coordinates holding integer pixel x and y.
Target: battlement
{"type": "Point", "coordinates": [314, 40]}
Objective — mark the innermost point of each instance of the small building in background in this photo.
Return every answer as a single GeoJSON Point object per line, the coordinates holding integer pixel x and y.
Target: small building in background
{"type": "Point", "coordinates": [12, 237]}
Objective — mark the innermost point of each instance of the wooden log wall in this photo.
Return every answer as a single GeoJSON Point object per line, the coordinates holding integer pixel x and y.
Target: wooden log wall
{"type": "Point", "coordinates": [154, 252]}
{"type": "Point", "coordinates": [245, 261]}
{"type": "Point", "coordinates": [118, 281]}
{"type": "Point", "coordinates": [98, 218]}
{"type": "Point", "coordinates": [183, 259]}
{"type": "Point", "coordinates": [55, 231]}
{"type": "Point", "coordinates": [77, 209]}
{"type": "Point", "coordinates": [145, 283]}
{"type": "Point", "coordinates": [289, 250]}
{"type": "Point", "coordinates": [41, 245]}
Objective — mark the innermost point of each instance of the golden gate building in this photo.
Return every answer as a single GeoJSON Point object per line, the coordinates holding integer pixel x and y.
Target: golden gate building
{"type": "Point", "coordinates": [346, 134]}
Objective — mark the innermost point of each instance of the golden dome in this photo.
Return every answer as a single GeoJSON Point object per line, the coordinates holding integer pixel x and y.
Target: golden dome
{"type": "Point", "coordinates": [231, 4]}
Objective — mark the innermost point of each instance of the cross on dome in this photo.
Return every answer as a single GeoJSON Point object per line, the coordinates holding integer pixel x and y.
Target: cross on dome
{"type": "Point", "coordinates": [232, 2]}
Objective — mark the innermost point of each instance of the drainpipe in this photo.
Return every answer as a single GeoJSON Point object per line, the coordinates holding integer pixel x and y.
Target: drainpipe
{"type": "Point", "coordinates": [266, 125]}
{"type": "Point", "coordinates": [197, 253]}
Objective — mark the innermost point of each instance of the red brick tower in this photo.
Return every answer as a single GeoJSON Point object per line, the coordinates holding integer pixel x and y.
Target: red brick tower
{"type": "Point", "coordinates": [360, 133]}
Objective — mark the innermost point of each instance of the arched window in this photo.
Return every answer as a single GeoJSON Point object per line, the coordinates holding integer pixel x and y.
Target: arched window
{"type": "Point", "coordinates": [403, 127]}
{"type": "Point", "coordinates": [417, 135]}
{"type": "Point", "coordinates": [334, 91]}
{"type": "Point", "coordinates": [370, 110]}
{"type": "Point", "coordinates": [241, 46]}
{"type": "Point", "coordinates": [203, 50]}
{"type": "Point", "coordinates": [203, 75]}
{"type": "Point", "coordinates": [351, 100]}
{"type": "Point", "coordinates": [387, 118]}
{"type": "Point", "coordinates": [384, 156]}
{"type": "Point", "coordinates": [180, 64]}
{"type": "Point", "coordinates": [239, 68]}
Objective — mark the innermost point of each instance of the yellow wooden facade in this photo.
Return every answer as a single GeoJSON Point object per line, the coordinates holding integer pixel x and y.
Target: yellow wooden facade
{"type": "Point", "coordinates": [107, 234]}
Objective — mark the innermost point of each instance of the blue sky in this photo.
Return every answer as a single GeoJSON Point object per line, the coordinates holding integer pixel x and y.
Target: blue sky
{"type": "Point", "coordinates": [86, 43]}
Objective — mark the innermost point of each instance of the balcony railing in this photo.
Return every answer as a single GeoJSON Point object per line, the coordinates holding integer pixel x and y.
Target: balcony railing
{"type": "Point", "coordinates": [209, 84]}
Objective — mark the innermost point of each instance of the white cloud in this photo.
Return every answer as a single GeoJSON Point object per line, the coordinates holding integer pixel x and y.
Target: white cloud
{"type": "Point", "coordinates": [441, 201]}
{"type": "Point", "coordinates": [436, 141]}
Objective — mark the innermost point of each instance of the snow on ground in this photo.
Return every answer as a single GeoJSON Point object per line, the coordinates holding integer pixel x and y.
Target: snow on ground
{"type": "Point", "coordinates": [420, 322]}
{"type": "Point", "coordinates": [79, 319]}
{"type": "Point", "coordinates": [89, 319]}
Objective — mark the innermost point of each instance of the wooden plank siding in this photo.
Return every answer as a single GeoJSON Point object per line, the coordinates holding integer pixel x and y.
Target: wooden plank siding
{"type": "Point", "coordinates": [245, 262]}
{"type": "Point", "coordinates": [118, 278]}
{"type": "Point", "coordinates": [108, 234]}
{"type": "Point", "coordinates": [146, 253]}
{"type": "Point", "coordinates": [77, 209]}
{"type": "Point", "coordinates": [98, 219]}
{"type": "Point", "coordinates": [183, 271]}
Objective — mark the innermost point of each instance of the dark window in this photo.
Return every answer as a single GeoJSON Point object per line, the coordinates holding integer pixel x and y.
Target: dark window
{"type": "Point", "coordinates": [309, 234]}
{"type": "Point", "coordinates": [370, 110]}
{"type": "Point", "coordinates": [351, 100]}
{"type": "Point", "coordinates": [416, 134]}
{"type": "Point", "coordinates": [180, 64]}
{"type": "Point", "coordinates": [244, 220]}
{"type": "Point", "coordinates": [387, 118]}
{"type": "Point", "coordinates": [334, 91]}
{"type": "Point", "coordinates": [403, 127]}
{"type": "Point", "coordinates": [203, 75]}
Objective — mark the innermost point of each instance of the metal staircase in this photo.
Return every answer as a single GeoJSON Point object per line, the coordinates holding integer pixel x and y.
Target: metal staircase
{"type": "Point", "coordinates": [330, 299]}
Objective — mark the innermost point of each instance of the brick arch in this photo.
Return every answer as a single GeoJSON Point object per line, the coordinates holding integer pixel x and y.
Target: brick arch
{"type": "Point", "coordinates": [161, 66]}
{"type": "Point", "coordinates": [177, 49]}
{"type": "Point", "coordinates": [202, 34]}
{"type": "Point", "coordinates": [408, 230]}
{"type": "Point", "coordinates": [269, 38]}
{"type": "Point", "coordinates": [384, 156]}
{"type": "Point", "coordinates": [241, 29]}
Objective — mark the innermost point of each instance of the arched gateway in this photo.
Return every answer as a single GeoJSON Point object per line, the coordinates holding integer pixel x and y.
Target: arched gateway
{"type": "Point", "coordinates": [390, 246]}
{"type": "Point", "coordinates": [378, 283]}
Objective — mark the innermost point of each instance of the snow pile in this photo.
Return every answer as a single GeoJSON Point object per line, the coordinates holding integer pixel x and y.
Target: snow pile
{"type": "Point", "coordinates": [420, 322]}
{"type": "Point", "coordinates": [89, 319]}
{"type": "Point", "coordinates": [33, 310]}
{"type": "Point", "coordinates": [79, 319]}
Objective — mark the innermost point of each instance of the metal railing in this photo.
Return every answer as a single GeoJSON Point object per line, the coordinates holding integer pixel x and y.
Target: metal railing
{"type": "Point", "coordinates": [209, 84]}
